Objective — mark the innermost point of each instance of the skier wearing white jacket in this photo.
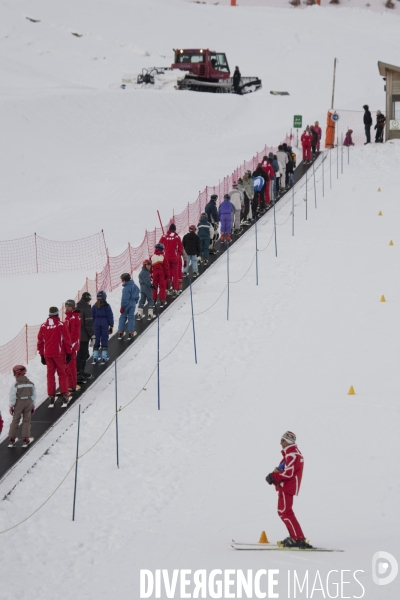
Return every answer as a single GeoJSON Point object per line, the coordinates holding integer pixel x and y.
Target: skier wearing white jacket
{"type": "Point", "coordinates": [237, 200]}
{"type": "Point", "coordinates": [283, 161]}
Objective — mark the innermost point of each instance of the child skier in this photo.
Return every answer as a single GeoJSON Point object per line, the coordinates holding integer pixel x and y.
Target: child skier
{"type": "Point", "coordinates": [103, 321]}
{"type": "Point", "coordinates": [191, 244]}
{"type": "Point", "coordinates": [145, 291]}
{"type": "Point", "coordinates": [225, 212]}
{"type": "Point", "coordinates": [129, 298]}
{"type": "Point", "coordinates": [205, 233]}
{"type": "Point", "coordinates": [22, 404]}
{"type": "Point", "coordinates": [348, 140]}
{"type": "Point", "coordinates": [160, 271]}
{"type": "Point", "coordinates": [287, 479]}
{"type": "Point", "coordinates": [73, 322]}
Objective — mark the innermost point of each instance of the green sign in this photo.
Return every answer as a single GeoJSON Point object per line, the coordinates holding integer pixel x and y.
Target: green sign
{"type": "Point", "coordinates": [297, 121]}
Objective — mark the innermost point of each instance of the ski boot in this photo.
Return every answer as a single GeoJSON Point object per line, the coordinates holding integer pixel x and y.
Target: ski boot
{"type": "Point", "coordinates": [195, 275]}
{"type": "Point", "coordinates": [81, 379]}
{"type": "Point", "coordinates": [163, 303]}
{"type": "Point", "coordinates": [12, 442]}
{"type": "Point", "coordinates": [66, 399]}
{"type": "Point", "coordinates": [228, 237]}
{"type": "Point", "coordinates": [104, 356]}
{"type": "Point", "coordinates": [132, 335]}
{"type": "Point", "coordinates": [205, 263]}
{"type": "Point", "coordinates": [139, 314]}
{"type": "Point", "coordinates": [26, 442]}
{"type": "Point", "coordinates": [52, 401]}
{"type": "Point", "coordinates": [75, 389]}
{"type": "Point", "coordinates": [150, 314]}
{"type": "Point", "coordinates": [96, 356]}
{"type": "Point", "coordinates": [222, 238]}
{"type": "Point", "coordinates": [121, 334]}
{"type": "Point", "coordinates": [87, 375]}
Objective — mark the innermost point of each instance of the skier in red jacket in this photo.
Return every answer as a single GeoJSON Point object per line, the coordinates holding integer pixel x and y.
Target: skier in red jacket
{"type": "Point", "coordinates": [287, 480]}
{"type": "Point", "coordinates": [160, 274]}
{"type": "Point", "coordinates": [173, 254]}
{"type": "Point", "coordinates": [306, 140]}
{"type": "Point", "coordinates": [269, 170]}
{"type": "Point", "coordinates": [54, 347]}
{"type": "Point", "coordinates": [73, 322]}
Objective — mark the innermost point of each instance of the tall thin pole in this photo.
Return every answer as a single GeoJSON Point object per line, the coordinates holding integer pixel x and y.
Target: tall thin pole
{"type": "Point", "coordinates": [334, 81]}
{"type": "Point", "coordinates": [341, 155]}
{"type": "Point", "coordinates": [116, 409]}
{"type": "Point", "coordinates": [76, 462]}
{"type": "Point", "coordinates": [276, 247]}
{"type": "Point", "coordinates": [255, 228]}
{"type": "Point", "coordinates": [330, 167]}
{"type": "Point", "coordinates": [348, 154]}
{"type": "Point", "coordinates": [194, 331]}
{"type": "Point", "coordinates": [293, 209]}
{"type": "Point", "coordinates": [306, 196]}
{"type": "Point", "coordinates": [337, 157]}
{"type": "Point", "coordinates": [315, 187]}
{"type": "Point", "coordinates": [158, 360]}
{"type": "Point", "coordinates": [227, 266]}
{"type": "Point", "coordinates": [323, 175]}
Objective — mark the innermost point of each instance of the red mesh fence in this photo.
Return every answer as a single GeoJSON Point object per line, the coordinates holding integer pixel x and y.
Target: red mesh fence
{"type": "Point", "coordinates": [34, 254]}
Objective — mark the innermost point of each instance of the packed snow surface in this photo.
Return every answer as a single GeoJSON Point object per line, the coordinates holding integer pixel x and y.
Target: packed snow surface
{"type": "Point", "coordinates": [80, 154]}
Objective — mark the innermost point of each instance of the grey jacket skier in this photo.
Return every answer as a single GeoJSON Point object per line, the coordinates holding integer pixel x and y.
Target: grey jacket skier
{"type": "Point", "coordinates": [146, 284]}
{"type": "Point", "coordinates": [22, 399]}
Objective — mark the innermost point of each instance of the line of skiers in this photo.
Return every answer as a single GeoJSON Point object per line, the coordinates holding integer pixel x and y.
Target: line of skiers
{"type": "Point", "coordinates": [64, 346]}
{"type": "Point", "coordinates": [311, 141]}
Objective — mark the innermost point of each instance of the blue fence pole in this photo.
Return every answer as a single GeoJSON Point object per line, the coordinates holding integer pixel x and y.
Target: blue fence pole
{"type": "Point", "coordinates": [194, 331]}
{"type": "Point", "coordinates": [276, 247]}
{"type": "Point", "coordinates": [293, 209]}
{"type": "Point", "coordinates": [341, 154]}
{"type": "Point", "coordinates": [158, 360]}
{"type": "Point", "coordinates": [76, 463]}
{"type": "Point", "coordinates": [315, 187]}
{"type": "Point", "coordinates": [116, 409]}
{"type": "Point", "coordinates": [330, 167]}
{"type": "Point", "coordinates": [227, 266]}
{"type": "Point", "coordinates": [348, 154]}
{"type": "Point", "coordinates": [337, 157]}
{"type": "Point", "coordinates": [306, 196]}
{"type": "Point", "coordinates": [323, 182]}
{"type": "Point", "coordinates": [255, 227]}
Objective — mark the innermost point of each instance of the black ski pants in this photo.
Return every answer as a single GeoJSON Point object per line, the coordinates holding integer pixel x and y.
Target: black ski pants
{"type": "Point", "coordinates": [246, 207]}
{"type": "Point", "coordinates": [82, 356]}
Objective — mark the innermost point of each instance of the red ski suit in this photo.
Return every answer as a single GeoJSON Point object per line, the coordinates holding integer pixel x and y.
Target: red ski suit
{"type": "Point", "coordinates": [160, 274]}
{"type": "Point", "coordinates": [73, 322]}
{"type": "Point", "coordinates": [288, 485]}
{"type": "Point", "coordinates": [173, 254]}
{"type": "Point", "coordinates": [306, 139]}
{"type": "Point", "coordinates": [318, 129]}
{"type": "Point", "coordinates": [54, 343]}
{"type": "Point", "coordinates": [269, 170]}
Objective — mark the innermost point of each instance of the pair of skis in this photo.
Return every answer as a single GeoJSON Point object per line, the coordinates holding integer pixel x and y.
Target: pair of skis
{"type": "Point", "coordinates": [276, 547]}
{"type": "Point", "coordinates": [24, 445]}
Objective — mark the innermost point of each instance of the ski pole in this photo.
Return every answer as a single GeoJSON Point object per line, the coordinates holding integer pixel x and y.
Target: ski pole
{"type": "Point", "coordinates": [76, 462]}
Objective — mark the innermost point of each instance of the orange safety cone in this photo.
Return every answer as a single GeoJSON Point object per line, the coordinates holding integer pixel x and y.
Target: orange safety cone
{"type": "Point", "coordinates": [391, 243]}
{"type": "Point", "coordinates": [379, 189]}
{"type": "Point", "coordinates": [351, 391]}
{"type": "Point", "coordinates": [380, 213]}
{"type": "Point", "coordinates": [263, 538]}
{"type": "Point", "coordinates": [383, 299]}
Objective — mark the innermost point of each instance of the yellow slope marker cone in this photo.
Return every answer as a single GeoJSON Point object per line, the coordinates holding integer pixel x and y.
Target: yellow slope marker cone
{"type": "Point", "coordinates": [380, 213]}
{"type": "Point", "coordinates": [263, 538]}
{"type": "Point", "coordinates": [351, 391]}
{"type": "Point", "coordinates": [383, 299]}
{"type": "Point", "coordinates": [391, 243]}
{"type": "Point", "coordinates": [379, 189]}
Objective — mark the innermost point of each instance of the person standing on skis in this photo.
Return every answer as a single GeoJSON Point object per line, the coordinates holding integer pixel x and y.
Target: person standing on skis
{"type": "Point", "coordinates": [22, 401]}
{"type": "Point", "coordinates": [145, 291]}
{"type": "Point", "coordinates": [318, 129]}
{"type": "Point", "coordinates": [87, 337]}
{"type": "Point", "coordinates": [160, 272]}
{"type": "Point", "coordinates": [306, 139]}
{"type": "Point", "coordinates": [287, 480]}
{"type": "Point", "coordinates": [54, 347]}
{"type": "Point", "coordinates": [226, 211]}
{"type": "Point", "coordinates": [236, 80]}
{"type": "Point", "coordinates": [129, 299]}
{"type": "Point", "coordinates": [173, 254]}
{"type": "Point", "coordinates": [103, 321]}
{"type": "Point", "coordinates": [205, 233]}
{"type": "Point", "coordinates": [73, 322]}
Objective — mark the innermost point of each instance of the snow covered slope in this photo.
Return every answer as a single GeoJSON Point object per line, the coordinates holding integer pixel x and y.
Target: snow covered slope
{"type": "Point", "coordinates": [192, 475]}
{"type": "Point", "coordinates": [79, 154]}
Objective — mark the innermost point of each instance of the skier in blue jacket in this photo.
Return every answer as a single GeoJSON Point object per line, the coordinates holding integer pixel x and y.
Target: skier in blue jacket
{"type": "Point", "coordinates": [146, 286]}
{"type": "Point", "coordinates": [103, 322]}
{"type": "Point", "coordinates": [130, 296]}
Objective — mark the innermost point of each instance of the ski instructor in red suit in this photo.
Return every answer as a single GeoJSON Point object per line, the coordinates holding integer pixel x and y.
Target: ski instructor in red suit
{"type": "Point", "coordinates": [173, 254]}
{"type": "Point", "coordinates": [287, 480]}
{"type": "Point", "coordinates": [54, 347]}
